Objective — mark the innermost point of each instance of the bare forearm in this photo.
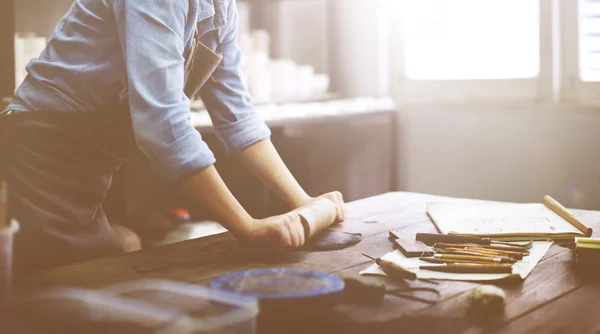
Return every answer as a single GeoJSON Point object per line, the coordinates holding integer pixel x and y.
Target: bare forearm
{"type": "Point", "coordinates": [265, 163]}
{"type": "Point", "coordinates": [206, 186]}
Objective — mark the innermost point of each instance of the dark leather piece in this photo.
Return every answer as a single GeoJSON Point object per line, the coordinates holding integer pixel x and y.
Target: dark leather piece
{"type": "Point", "coordinates": [332, 240]}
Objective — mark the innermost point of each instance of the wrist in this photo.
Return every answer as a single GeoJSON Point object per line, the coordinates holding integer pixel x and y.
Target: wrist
{"type": "Point", "coordinates": [300, 201]}
{"type": "Point", "coordinates": [242, 226]}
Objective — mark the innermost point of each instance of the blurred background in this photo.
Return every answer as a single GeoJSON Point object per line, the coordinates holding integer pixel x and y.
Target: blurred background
{"type": "Point", "coordinates": [490, 99]}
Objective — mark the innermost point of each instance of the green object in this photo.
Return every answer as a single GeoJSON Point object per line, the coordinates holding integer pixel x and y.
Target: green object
{"type": "Point", "coordinates": [487, 297]}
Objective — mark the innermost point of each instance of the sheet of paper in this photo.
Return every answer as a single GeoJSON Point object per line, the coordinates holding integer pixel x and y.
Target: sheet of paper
{"type": "Point", "coordinates": [498, 219]}
{"type": "Point", "coordinates": [522, 268]}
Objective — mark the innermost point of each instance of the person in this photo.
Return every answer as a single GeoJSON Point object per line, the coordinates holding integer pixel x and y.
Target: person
{"type": "Point", "coordinates": [117, 76]}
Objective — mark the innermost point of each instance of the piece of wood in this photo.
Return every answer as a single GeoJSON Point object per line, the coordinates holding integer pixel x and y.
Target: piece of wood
{"type": "Point", "coordinates": [411, 247]}
{"type": "Point", "coordinates": [565, 214]}
{"type": "Point", "coordinates": [316, 216]}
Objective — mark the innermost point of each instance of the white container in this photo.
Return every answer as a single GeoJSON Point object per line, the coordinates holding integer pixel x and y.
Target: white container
{"type": "Point", "coordinates": [261, 41]}
{"type": "Point", "coordinates": [283, 73]}
{"type": "Point", "coordinates": [304, 81]}
{"type": "Point", "coordinates": [260, 82]}
{"type": "Point", "coordinates": [7, 236]}
{"type": "Point", "coordinates": [207, 311]}
{"type": "Point", "coordinates": [320, 84]}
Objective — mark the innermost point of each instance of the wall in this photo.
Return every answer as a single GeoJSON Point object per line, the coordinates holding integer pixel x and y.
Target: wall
{"type": "Point", "coordinates": [508, 154]}
{"type": "Point", "coordinates": [358, 42]}
{"type": "Point", "coordinates": [39, 16]}
{"type": "Point", "coordinates": [298, 30]}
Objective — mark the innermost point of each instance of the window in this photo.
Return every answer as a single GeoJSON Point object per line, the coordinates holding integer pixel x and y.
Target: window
{"type": "Point", "coordinates": [589, 40]}
{"type": "Point", "coordinates": [580, 34]}
{"type": "Point", "coordinates": [471, 39]}
{"type": "Point", "coordinates": [470, 50]}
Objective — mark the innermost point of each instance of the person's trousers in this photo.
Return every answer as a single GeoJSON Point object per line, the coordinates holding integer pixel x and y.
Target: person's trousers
{"type": "Point", "coordinates": [59, 168]}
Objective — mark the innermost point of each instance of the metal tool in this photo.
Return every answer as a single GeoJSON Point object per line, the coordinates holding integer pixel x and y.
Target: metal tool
{"type": "Point", "coordinates": [401, 292]}
{"type": "Point", "coordinates": [366, 292]}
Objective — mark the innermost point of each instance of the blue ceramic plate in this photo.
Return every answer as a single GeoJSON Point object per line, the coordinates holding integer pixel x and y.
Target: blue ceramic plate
{"type": "Point", "coordinates": [279, 283]}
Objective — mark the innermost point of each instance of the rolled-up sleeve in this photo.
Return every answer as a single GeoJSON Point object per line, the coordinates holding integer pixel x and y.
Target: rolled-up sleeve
{"type": "Point", "coordinates": [227, 100]}
{"type": "Point", "coordinates": [151, 34]}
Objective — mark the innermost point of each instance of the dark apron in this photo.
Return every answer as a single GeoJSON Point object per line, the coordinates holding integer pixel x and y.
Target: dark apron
{"type": "Point", "coordinates": [59, 166]}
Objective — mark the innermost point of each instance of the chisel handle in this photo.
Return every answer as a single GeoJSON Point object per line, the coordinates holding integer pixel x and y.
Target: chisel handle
{"type": "Point", "coordinates": [395, 271]}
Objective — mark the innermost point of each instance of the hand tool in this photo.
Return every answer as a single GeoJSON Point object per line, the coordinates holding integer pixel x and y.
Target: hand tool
{"type": "Point", "coordinates": [520, 249]}
{"type": "Point", "coordinates": [469, 253]}
{"type": "Point", "coordinates": [485, 252]}
{"type": "Point", "coordinates": [367, 292]}
{"type": "Point", "coordinates": [438, 260]}
{"type": "Point", "coordinates": [395, 271]}
{"type": "Point", "coordinates": [515, 255]}
{"type": "Point", "coordinates": [430, 239]}
{"type": "Point", "coordinates": [527, 244]}
{"type": "Point", "coordinates": [470, 268]}
{"type": "Point", "coordinates": [472, 258]}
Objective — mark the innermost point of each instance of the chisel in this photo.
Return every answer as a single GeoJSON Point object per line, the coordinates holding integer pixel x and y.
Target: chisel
{"type": "Point", "coordinates": [431, 239]}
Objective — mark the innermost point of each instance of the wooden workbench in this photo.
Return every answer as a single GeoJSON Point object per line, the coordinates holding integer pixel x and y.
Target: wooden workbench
{"type": "Point", "coordinates": [553, 298]}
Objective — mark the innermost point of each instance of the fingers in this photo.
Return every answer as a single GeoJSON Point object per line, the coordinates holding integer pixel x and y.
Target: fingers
{"type": "Point", "coordinates": [284, 236]}
{"type": "Point", "coordinates": [338, 199]}
{"type": "Point", "coordinates": [299, 230]}
{"type": "Point", "coordinates": [292, 231]}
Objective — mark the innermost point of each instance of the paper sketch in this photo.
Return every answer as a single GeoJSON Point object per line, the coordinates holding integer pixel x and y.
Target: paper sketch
{"type": "Point", "coordinates": [498, 219]}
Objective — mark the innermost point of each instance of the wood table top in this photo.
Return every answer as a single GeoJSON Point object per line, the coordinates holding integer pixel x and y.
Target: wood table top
{"type": "Point", "coordinates": [554, 298]}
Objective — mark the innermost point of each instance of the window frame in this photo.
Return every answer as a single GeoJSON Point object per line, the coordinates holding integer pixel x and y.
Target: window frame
{"type": "Point", "coordinates": [541, 89]}
{"type": "Point", "coordinates": [574, 90]}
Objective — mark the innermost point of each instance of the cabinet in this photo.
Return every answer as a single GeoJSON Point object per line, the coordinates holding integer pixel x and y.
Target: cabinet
{"type": "Point", "coordinates": [352, 153]}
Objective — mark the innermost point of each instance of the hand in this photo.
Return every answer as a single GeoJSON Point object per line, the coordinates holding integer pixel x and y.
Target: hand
{"type": "Point", "coordinates": [337, 198]}
{"type": "Point", "coordinates": [285, 231]}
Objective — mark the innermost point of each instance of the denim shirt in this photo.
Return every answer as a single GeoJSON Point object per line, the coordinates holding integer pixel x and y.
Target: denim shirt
{"type": "Point", "coordinates": [104, 51]}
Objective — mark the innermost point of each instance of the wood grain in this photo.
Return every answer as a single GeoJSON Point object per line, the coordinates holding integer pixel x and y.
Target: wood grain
{"type": "Point", "coordinates": [552, 282]}
{"type": "Point", "coordinates": [572, 312]}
